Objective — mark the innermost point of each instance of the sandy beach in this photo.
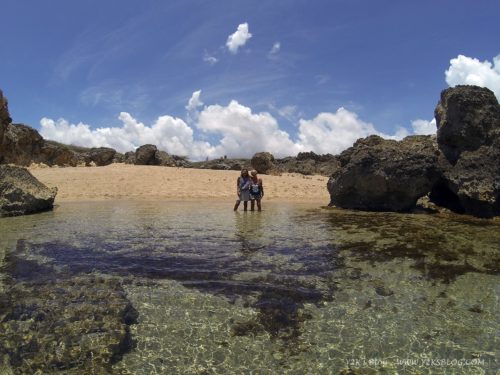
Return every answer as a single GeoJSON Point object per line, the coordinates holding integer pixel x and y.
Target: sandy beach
{"type": "Point", "coordinates": [132, 182]}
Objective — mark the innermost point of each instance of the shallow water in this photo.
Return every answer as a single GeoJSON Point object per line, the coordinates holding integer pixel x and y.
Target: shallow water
{"type": "Point", "coordinates": [194, 288]}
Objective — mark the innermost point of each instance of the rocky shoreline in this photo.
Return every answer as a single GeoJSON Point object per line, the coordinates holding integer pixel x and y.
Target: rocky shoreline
{"type": "Point", "coordinates": [456, 169]}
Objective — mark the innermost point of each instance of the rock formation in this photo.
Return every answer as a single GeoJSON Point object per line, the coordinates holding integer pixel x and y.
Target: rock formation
{"type": "Point", "coordinates": [459, 168]}
{"type": "Point", "coordinates": [150, 155]}
{"type": "Point", "coordinates": [21, 193]}
{"type": "Point", "coordinates": [5, 119]}
{"type": "Point", "coordinates": [308, 163]}
{"type": "Point", "coordinates": [385, 175]}
{"type": "Point", "coordinates": [263, 162]}
{"type": "Point", "coordinates": [468, 120]}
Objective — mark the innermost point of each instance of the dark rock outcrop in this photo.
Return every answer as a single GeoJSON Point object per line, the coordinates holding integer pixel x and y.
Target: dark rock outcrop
{"type": "Point", "coordinates": [150, 155]}
{"type": "Point", "coordinates": [263, 162]}
{"type": "Point", "coordinates": [100, 156]}
{"type": "Point", "coordinates": [459, 169]}
{"type": "Point", "coordinates": [20, 145]}
{"type": "Point", "coordinates": [468, 120]}
{"type": "Point", "coordinates": [468, 117]}
{"type": "Point", "coordinates": [385, 175]}
{"type": "Point", "coordinates": [21, 193]}
{"type": "Point", "coordinates": [308, 163]}
{"type": "Point", "coordinates": [146, 155]}
{"type": "Point", "coordinates": [5, 119]}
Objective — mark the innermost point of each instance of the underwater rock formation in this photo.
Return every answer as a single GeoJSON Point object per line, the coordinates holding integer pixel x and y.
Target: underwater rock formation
{"type": "Point", "coordinates": [21, 193]}
{"type": "Point", "coordinates": [51, 321]}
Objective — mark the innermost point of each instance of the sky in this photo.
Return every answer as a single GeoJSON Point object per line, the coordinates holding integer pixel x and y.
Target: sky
{"type": "Point", "coordinates": [229, 77]}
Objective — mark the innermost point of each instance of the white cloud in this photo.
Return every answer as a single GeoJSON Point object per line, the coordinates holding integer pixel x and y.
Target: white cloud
{"type": "Point", "coordinates": [465, 70]}
{"type": "Point", "coordinates": [333, 132]}
{"type": "Point", "coordinates": [168, 133]}
{"type": "Point", "coordinates": [275, 49]}
{"type": "Point", "coordinates": [424, 127]}
{"type": "Point", "coordinates": [239, 132]}
{"type": "Point", "coordinates": [238, 38]}
{"type": "Point", "coordinates": [194, 101]}
{"type": "Point", "coordinates": [243, 132]}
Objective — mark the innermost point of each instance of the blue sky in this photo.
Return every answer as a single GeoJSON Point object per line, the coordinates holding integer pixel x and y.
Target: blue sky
{"type": "Point", "coordinates": [384, 62]}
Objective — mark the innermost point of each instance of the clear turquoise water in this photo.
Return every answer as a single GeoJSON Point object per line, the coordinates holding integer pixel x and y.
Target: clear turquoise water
{"type": "Point", "coordinates": [294, 289]}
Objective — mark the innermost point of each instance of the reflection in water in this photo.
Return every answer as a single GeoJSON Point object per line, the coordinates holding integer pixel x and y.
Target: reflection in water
{"type": "Point", "coordinates": [293, 289]}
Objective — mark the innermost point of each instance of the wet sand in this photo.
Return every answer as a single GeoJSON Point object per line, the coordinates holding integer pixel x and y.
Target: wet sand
{"type": "Point", "coordinates": [131, 182]}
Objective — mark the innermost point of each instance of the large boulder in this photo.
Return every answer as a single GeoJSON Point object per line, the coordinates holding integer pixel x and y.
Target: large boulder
{"type": "Point", "coordinates": [21, 144]}
{"type": "Point", "coordinates": [146, 155]}
{"type": "Point", "coordinates": [385, 175]}
{"type": "Point", "coordinates": [468, 120]}
{"type": "Point", "coordinates": [21, 193]}
{"type": "Point", "coordinates": [100, 156]}
{"type": "Point", "coordinates": [263, 162]}
{"type": "Point", "coordinates": [54, 153]}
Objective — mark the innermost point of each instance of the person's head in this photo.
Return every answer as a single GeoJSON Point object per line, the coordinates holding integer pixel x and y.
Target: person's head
{"type": "Point", "coordinates": [253, 173]}
{"type": "Point", "coordinates": [244, 172]}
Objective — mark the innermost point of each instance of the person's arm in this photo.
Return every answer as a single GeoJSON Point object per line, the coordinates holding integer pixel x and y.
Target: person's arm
{"type": "Point", "coordinates": [261, 187]}
{"type": "Point", "coordinates": [238, 192]}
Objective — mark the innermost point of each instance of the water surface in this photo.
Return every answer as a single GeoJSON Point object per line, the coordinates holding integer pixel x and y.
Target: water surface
{"type": "Point", "coordinates": [194, 288]}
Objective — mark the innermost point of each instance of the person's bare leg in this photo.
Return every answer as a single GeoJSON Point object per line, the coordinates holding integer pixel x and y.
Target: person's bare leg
{"type": "Point", "coordinates": [259, 207]}
{"type": "Point", "coordinates": [252, 205]}
{"type": "Point", "coordinates": [237, 204]}
{"type": "Point", "coordinates": [245, 205]}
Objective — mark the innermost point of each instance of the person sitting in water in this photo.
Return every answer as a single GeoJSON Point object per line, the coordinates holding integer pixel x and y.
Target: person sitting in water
{"type": "Point", "coordinates": [256, 191]}
{"type": "Point", "coordinates": [243, 189]}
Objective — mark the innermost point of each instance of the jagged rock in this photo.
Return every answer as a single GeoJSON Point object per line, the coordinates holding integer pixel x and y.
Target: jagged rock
{"type": "Point", "coordinates": [308, 163]}
{"type": "Point", "coordinates": [20, 143]}
{"type": "Point", "coordinates": [118, 158]}
{"type": "Point", "coordinates": [21, 193]}
{"type": "Point", "coordinates": [101, 156]}
{"type": "Point", "coordinates": [385, 175]}
{"type": "Point", "coordinates": [467, 118]}
{"type": "Point", "coordinates": [53, 153]}
{"type": "Point", "coordinates": [263, 162]}
{"type": "Point", "coordinates": [146, 155]}
{"type": "Point", "coordinates": [129, 157]}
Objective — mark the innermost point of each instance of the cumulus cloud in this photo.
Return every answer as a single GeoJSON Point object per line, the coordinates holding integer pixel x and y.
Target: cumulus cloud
{"type": "Point", "coordinates": [194, 101]}
{"type": "Point", "coordinates": [465, 70]}
{"type": "Point", "coordinates": [333, 132]}
{"type": "Point", "coordinates": [235, 130]}
{"type": "Point", "coordinates": [424, 127]}
{"type": "Point", "coordinates": [168, 133]}
{"type": "Point", "coordinates": [238, 38]}
{"type": "Point", "coordinates": [243, 133]}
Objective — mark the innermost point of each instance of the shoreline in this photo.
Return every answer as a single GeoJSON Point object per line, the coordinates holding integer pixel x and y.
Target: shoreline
{"type": "Point", "coordinates": [152, 183]}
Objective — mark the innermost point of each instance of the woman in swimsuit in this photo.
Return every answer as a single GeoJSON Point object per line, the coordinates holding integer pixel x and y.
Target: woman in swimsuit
{"type": "Point", "coordinates": [256, 191]}
{"type": "Point", "coordinates": [243, 190]}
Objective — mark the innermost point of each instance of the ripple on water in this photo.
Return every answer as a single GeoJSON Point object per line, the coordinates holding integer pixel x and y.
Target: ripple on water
{"type": "Point", "coordinates": [293, 289]}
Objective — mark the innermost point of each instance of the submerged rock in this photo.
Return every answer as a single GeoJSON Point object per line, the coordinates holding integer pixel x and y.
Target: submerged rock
{"type": "Point", "coordinates": [21, 193]}
{"type": "Point", "coordinates": [385, 175]}
{"type": "Point", "coordinates": [51, 321]}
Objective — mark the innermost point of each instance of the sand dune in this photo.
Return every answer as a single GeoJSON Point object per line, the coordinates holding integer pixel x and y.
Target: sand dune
{"type": "Point", "coordinates": [120, 181]}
